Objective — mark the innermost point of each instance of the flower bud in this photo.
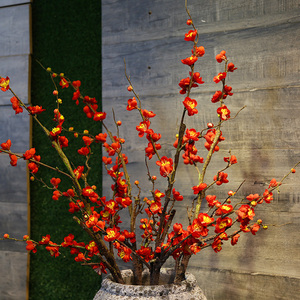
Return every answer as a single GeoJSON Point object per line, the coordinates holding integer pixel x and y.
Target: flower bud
{"type": "Point", "coordinates": [129, 88]}
{"type": "Point", "coordinates": [6, 236]}
{"type": "Point", "coordinates": [189, 22]}
{"type": "Point", "coordinates": [26, 237]}
{"type": "Point", "coordinates": [55, 92]}
{"type": "Point", "coordinates": [77, 220]}
{"type": "Point", "coordinates": [85, 131]}
{"type": "Point", "coordinates": [119, 123]}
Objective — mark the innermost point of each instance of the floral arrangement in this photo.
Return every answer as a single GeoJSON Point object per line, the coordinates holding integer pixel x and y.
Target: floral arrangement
{"type": "Point", "coordinates": [152, 235]}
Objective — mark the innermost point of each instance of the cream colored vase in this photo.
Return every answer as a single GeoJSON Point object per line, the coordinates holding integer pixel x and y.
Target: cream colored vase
{"type": "Point", "coordinates": [186, 290]}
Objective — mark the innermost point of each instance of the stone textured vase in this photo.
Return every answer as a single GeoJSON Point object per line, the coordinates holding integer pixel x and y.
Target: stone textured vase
{"type": "Point", "coordinates": [185, 290]}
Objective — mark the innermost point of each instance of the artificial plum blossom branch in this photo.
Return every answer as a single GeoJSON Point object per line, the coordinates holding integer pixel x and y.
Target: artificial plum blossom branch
{"type": "Point", "coordinates": [100, 218]}
{"type": "Point", "coordinates": [38, 162]}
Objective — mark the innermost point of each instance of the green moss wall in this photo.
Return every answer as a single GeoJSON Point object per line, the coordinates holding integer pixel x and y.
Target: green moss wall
{"type": "Point", "coordinates": [66, 37]}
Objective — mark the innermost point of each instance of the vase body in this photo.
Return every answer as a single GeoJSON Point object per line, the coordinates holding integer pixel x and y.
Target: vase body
{"type": "Point", "coordinates": [185, 290]}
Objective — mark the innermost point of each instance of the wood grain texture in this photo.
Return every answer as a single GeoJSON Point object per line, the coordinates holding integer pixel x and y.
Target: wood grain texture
{"type": "Point", "coordinates": [15, 49]}
{"type": "Point", "coordinates": [13, 2]}
{"type": "Point", "coordinates": [239, 285]}
{"type": "Point", "coordinates": [14, 127]}
{"type": "Point", "coordinates": [15, 30]}
{"type": "Point", "coordinates": [13, 220]}
{"type": "Point", "coordinates": [261, 38]}
{"type": "Point", "coordinates": [13, 183]}
{"type": "Point", "coordinates": [16, 68]}
{"type": "Point", "coordinates": [13, 280]}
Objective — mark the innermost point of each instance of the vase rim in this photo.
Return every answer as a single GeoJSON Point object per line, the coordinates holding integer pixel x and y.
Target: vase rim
{"type": "Point", "coordinates": [165, 272]}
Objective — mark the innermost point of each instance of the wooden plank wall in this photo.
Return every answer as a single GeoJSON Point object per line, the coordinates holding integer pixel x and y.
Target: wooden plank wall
{"type": "Point", "coordinates": [15, 49]}
{"type": "Point", "coordinates": [262, 38]}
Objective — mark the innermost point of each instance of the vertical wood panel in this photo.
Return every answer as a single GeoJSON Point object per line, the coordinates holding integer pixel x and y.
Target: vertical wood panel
{"type": "Point", "coordinates": [16, 68]}
{"type": "Point", "coordinates": [13, 282]}
{"type": "Point", "coordinates": [13, 2]}
{"type": "Point", "coordinates": [14, 30]}
{"type": "Point", "coordinates": [261, 38]}
{"type": "Point", "coordinates": [15, 48]}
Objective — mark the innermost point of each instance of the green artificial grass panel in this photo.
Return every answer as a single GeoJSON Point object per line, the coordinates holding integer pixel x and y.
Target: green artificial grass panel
{"type": "Point", "coordinates": [67, 38]}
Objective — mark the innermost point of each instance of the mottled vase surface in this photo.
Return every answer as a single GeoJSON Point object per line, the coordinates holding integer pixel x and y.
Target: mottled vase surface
{"type": "Point", "coordinates": [185, 290]}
